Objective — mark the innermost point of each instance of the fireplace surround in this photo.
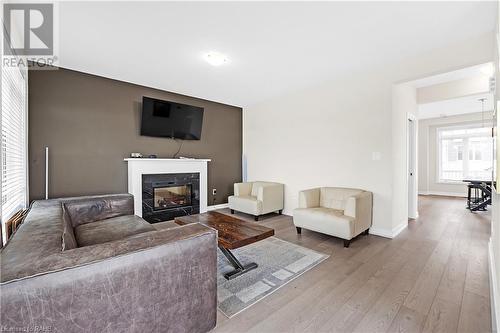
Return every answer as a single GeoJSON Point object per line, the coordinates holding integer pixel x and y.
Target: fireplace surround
{"type": "Point", "coordinates": [167, 196]}
{"type": "Point", "coordinates": [172, 198]}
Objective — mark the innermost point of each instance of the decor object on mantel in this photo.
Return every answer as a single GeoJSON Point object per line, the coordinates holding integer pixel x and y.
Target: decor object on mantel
{"type": "Point", "coordinates": [335, 211]}
{"type": "Point", "coordinates": [165, 188]}
{"type": "Point", "coordinates": [257, 198]}
{"type": "Point", "coordinates": [280, 262]}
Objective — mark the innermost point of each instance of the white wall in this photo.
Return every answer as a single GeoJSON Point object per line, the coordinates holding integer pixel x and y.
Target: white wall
{"type": "Point", "coordinates": [325, 135]}
{"type": "Point", "coordinates": [303, 142]}
{"type": "Point", "coordinates": [453, 89]}
{"type": "Point", "coordinates": [404, 105]}
{"type": "Point", "coordinates": [427, 152]}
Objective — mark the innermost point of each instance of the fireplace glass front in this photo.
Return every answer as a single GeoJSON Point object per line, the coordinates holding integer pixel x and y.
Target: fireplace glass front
{"type": "Point", "coordinates": [166, 197]}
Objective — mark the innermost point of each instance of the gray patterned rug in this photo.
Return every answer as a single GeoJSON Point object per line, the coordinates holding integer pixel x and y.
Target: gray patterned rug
{"type": "Point", "coordinates": [279, 263]}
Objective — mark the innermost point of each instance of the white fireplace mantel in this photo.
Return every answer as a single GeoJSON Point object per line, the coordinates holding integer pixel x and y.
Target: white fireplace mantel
{"type": "Point", "coordinates": [143, 166]}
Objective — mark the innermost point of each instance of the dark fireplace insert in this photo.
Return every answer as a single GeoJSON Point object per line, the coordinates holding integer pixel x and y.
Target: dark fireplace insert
{"type": "Point", "coordinates": [167, 196]}
{"type": "Point", "coordinates": [171, 196]}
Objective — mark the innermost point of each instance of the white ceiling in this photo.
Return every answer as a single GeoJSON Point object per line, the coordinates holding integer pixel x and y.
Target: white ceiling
{"type": "Point", "coordinates": [455, 106]}
{"type": "Point", "coordinates": [273, 47]}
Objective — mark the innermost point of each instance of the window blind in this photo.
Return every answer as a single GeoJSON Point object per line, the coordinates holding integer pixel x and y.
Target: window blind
{"type": "Point", "coordinates": [13, 144]}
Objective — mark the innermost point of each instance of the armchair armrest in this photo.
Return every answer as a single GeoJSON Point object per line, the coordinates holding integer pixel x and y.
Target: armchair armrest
{"type": "Point", "coordinates": [242, 189]}
{"type": "Point", "coordinates": [309, 198]}
{"type": "Point", "coordinates": [360, 208]}
{"type": "Point", "coordinates": [271, 196]}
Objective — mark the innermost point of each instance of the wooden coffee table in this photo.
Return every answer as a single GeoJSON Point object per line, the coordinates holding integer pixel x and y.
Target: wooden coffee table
{"type": "Point", "coordinates": [232, 234]}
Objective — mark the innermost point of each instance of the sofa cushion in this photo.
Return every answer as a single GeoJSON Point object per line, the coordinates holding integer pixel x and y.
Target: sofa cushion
{"type": "Point", "coordinates": [88, 210]}
{"type": "Point", "coordinates": [325, 220]}
{"type": "Point", "coordinates": [248, 204]}
{"type": "Point", "coordinates": [256, 186]}
{"type": "Point", "coordinates": [68, 235]}
{"type": "Point", "coordinates": [112, 229]}
{"type": "Point", "coordinates": [335, 197]}
{"type": "Point", "coordinates": [38, 239]}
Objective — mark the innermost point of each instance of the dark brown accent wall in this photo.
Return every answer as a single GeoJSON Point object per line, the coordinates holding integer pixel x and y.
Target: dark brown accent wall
{"type": "Point", "coordinates": [91, 123]}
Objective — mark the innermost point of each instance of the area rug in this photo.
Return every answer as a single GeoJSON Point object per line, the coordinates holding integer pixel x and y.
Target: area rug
{"type": "Point", "coordinates": [279, 263]}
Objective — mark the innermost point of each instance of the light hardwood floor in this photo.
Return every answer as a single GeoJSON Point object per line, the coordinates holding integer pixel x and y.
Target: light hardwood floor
{"type": "Point", "coordinates": [433, 277]}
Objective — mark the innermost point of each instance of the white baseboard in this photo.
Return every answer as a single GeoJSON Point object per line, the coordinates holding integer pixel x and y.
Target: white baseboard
{"type": "Point", "coordinates": [381, 232]}
{"type": "Point", "coordinates": [447, 194]}
{"type": "Point", "coordinates": [493, 290]}
{"type": "Point", "coordinates": [414, 217]}
{"type": "Point", "coordinates": [389, 233]}
{"type": "Point", "coordinates": [215, 207]}
{"type": "Point", "coordinates": [398, 229]}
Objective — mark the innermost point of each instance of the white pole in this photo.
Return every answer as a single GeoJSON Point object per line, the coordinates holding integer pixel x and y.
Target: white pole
{"type": "Point", "coordinates": [46, 173]}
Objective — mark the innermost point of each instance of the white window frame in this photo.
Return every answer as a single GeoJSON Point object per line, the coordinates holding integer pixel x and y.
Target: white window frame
{"type": "Point", "coordinates": [487, 124]}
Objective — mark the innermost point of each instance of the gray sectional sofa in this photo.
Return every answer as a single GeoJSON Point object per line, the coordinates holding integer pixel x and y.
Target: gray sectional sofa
{"type": "Point", "coordinates": [89, 265]}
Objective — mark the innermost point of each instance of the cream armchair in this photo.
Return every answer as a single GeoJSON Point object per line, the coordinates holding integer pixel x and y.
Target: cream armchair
{"type": "Point", "coordinates": [257, 198]}
{"type": "Point", "coordinates": [335, 211]}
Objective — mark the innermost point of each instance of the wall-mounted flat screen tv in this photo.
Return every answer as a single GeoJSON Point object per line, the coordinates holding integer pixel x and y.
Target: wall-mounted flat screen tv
{"type": "Point", "coordinates": [171, 120]}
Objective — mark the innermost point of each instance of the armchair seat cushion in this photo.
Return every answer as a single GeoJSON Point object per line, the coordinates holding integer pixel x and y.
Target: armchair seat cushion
{"type": "Point", "coordinates": [246, 203]}
{"type": "Point", "coordinates": [325, 220]}
{"type": "Point", "coordinates": [111, 229]}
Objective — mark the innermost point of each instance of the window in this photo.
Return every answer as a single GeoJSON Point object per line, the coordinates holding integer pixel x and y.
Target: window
{"type": "Point", "coordinates": [13, 150]}
{"type": "Point", "coordinates": [465, 153]}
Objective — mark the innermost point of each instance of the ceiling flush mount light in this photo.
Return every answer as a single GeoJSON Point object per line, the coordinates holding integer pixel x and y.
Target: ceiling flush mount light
{"type": "Point", "coordinates": [215, 58]}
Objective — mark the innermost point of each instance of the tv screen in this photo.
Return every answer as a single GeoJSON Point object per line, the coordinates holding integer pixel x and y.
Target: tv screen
{"type": "Point", "coordinates": [171, 120]}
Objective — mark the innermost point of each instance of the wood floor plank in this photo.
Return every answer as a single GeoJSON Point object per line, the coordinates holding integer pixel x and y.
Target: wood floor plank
{"type": "Point", "coordinates": [407, 321]}
{"type": "Point", "coordinates": [452, 282]}
{"type": "Point", "coordinates": [369, 250]}
{"type": "Point", "coordinates": [279, 321]}
{"type": "Point", "coordinates": [293, 299]}
{"type": "Point", "coordinates": [432, 277]}
{"type": "Point", "coordinates": [330, 273]}
{"type": "Point", "coordinates": [443, 316]}
{"type": "Point", "coordinates": [477, 280]}
{"type": "Point", "coordinates": [329, 304]}
{"type": "Point", "coordinates": [349, 315]}
{"type": "Point", "coordinates": [244, 321]}
{"type": "Point", "coordinates": [474, 316]}
{"type": "Point", "coordinates": [381, 315]}
{"type": "Point", "coordinates": [422, 295]}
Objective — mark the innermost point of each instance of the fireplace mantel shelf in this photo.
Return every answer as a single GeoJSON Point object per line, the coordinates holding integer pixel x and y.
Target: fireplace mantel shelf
{"type": "Point", "coordinates": [143, 159]}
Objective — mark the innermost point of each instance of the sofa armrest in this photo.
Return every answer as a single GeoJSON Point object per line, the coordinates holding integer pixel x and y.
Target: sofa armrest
{"type": "Point", "coordinates": [360, 208]}
{"type": "Point", "coordinates": [309, 198]}
{"type": "Point", "coordinates": [92, 209]}
{"type": "Point", "coordinates": [242, 189]}
{"type": "Point", "coordinates": [98, 252]}
{"type": "Point", "coordinates": [164, 281]}
{"type": "Point", "coordinates": [271, 196]}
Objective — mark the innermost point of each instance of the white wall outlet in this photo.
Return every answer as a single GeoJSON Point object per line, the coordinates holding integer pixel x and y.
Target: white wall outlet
{"type": "Point", "coordinates": [214, 191]}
